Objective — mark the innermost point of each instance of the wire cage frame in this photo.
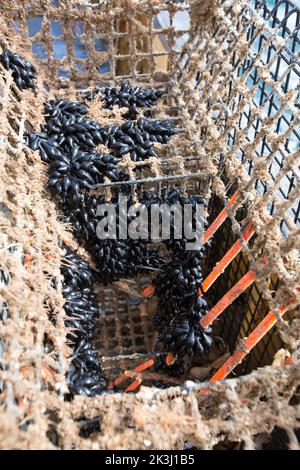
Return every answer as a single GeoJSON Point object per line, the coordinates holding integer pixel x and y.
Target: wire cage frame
{"type": "Point", "coordinates": [244, 147]}
{"type": "Point", "coordinates": [246, 307]}
{"type": "Point", "coordinates": [278, 16]}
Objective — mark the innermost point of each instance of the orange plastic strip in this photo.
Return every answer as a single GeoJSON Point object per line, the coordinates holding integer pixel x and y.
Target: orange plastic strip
{"type": "Point", "coordinates": [289, 361]}
{"type": "Point", "coordinates": [170, 359]}
{"type": "Point", "coordinates": [228, 298]}
{"type": "Point", "coordinates": [121, 378]}
{"type": "Point", "coordinates": [135, 384]}
{"type": "Point", "coordinates": [257, 334]}
{"type": "Point", "coordinates": [226, 260]}
{"type": "Point", "coordinates": [211, 230]}
{"type": "Point", "coordinates": [48, 256]}
{"type": "Point", "coordinates": [144, 366]}
{"type": "Point", "coordinates": [137, 370]}
{"type": "Point", "coordinates": [148, 291]}
{"type": "Point", "coordinates": [27, 260]}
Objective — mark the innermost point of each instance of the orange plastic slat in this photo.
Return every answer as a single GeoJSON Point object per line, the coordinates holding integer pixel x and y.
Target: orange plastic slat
{"type": "Point", "coordinates": [289, 361]}
{"type": "Point", "coordinates": [226, 260]}
{"type": "Point", "coordinates": [27, 260]}
{"type": "Point", "coordinates": [170, 359]}
{"type": "Point", "coordinates": [228, 298]}
{"type": "Point", "coordinates": [257, 334]}
{"type": "Point", "coordinates": [121, 378]}
{"type": "Point", "coordinates": [148, 291]}
{"type": "Point", "coordinates": [137, 370]}
{"type": "Point", "coordinates": [134, 385]}
{"type": "Point", "coordinates": [211, 230]}
{"type": "Point", "coordinates": [144, 365]}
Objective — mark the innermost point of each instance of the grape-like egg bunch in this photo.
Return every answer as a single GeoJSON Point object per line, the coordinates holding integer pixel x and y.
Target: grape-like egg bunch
{"type": "Point", "coordinates": [180, 308]}
{"type": "Point", "coordinates": [68, 148]}
{"type": "Point", "coordinates": [67, 143]}
{"type": "Point", "coordinates": [81, 307]}
{"type": "Point", "coordinates": [138, 137]}
{"type": "Point", "coordinates": [114, 258]}
{"type": "Point", "coordinates": [23, 72]}
{"type": "Point", "coordinates": [127, 96]}
{"type": "Point", "coordinates": [174, 202]}
{"type": "Point", "coordinates": [66, 124]}
{"type": "Point", "coordinates": [71, 175]}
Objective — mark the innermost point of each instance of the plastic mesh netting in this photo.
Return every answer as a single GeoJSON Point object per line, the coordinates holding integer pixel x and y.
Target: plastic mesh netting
{"type": "Point", "coordinates": [231, 74]}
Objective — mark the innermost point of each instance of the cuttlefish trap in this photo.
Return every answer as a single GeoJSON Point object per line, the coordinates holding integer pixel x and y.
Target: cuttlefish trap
{"type": "Point", "coordinates": [163, 102]}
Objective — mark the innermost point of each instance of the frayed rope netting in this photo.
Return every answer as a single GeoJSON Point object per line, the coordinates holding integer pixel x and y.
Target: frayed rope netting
{"type": "Point", "coordinates": [239, 123]}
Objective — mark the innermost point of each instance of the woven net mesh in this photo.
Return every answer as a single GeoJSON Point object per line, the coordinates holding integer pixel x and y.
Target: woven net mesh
{"type": "Point", "coordinates": [231, 72]}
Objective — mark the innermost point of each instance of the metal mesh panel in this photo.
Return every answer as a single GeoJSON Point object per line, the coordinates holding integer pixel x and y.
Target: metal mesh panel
{"type": "Point", "coordinates": [248, 310]}
{"type": "Point", "coordinates": [285, 69]}
{"type": "Point", "coordinates": [124, 329]}
{"type": "Point", "coordinates": [242, 316]}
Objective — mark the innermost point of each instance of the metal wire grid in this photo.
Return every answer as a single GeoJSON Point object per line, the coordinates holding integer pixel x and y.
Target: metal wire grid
{"type": "Point", "coordinates": [124, 329]}
{"type": "Point", "coordinates": [70, 46]}
{"type": "Point", "coordinates": [264, 95]}
{"type": "Point", "coordinates": [242, 316]}
{"type": "Point", "coordinates": [247, 310]}
{"type": "Point", "coordinates": [81, 50]}
{"type": "Point", "coordinates": [75, 52]}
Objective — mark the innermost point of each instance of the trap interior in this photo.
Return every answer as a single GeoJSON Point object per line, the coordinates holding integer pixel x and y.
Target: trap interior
{"type": "Point", "coordinates": [126, 336]}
